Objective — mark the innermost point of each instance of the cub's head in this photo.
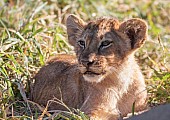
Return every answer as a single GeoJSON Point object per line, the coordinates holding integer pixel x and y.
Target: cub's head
{"type": "Point", "coordinates": [104, 43]}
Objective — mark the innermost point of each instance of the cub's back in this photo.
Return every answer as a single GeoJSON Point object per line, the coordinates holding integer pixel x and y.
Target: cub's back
{"type": "Point", "coordinates": [59, 75]}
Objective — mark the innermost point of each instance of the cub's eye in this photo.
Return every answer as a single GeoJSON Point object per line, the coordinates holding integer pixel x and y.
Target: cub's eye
{"type": "Point", "coordinates": [81, 43]}
{"type": "Point", "coordinates": [106, 43]}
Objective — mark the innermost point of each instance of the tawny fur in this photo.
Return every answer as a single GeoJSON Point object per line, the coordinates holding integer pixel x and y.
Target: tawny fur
{"type": "Point", "coordinates": [103, 80]}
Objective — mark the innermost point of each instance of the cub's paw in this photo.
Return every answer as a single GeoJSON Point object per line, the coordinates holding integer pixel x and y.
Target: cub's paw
{"type": "Point", "coordinates": [95, 118]}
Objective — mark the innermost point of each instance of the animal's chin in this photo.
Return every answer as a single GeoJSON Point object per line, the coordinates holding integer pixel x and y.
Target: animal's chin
{"type": "Point", "coordinates": [93, 77]}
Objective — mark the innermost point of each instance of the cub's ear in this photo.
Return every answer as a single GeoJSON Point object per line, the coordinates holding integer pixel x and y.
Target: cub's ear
{"type": "Point", "coordinates": [137, 31]}
{"type": "Point", "coordinates": [74, 26]}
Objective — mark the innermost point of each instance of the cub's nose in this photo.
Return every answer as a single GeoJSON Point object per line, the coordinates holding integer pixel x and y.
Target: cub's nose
{"type": "Point", "coordinates": [88, 59]}
{"type": "Point", "coordinates": [87, 63]}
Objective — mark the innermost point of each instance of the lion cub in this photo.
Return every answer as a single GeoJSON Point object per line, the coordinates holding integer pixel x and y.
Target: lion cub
{"type": "Point", "coordinates": [103, 80]}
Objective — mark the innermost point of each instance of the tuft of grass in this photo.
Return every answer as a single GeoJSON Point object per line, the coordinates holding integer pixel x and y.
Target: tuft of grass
{"type": "Point", "coordinates": [32, 31]}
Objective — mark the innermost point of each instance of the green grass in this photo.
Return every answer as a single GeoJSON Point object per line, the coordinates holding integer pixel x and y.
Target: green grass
{"type": "Point", "coordinates": [32, 31]}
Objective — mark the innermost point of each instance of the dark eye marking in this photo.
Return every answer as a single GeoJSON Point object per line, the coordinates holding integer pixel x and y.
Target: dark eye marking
{"type": "Point", "coordinates": [81, 43]}
{"type": "Point", "coordinates": [105, 44]}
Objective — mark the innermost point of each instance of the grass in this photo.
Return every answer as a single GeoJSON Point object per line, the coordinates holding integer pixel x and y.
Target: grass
{"type": "Point", "coordinates": [32, 31]}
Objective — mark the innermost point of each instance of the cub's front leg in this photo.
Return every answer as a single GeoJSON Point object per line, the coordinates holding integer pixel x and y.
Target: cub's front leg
{"type": "Point", "coordinates": [101, 105]}
{"type": "Point", "coordinates": [104, 115]}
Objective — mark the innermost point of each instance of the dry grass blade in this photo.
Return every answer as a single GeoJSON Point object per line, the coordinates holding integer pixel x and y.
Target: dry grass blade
{"type": "Point", "coordinates": [22, 92]}
{"type": "Point", "coordinates": [42, 109]}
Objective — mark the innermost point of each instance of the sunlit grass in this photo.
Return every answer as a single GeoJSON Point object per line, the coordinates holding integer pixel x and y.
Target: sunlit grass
{"type": "Point", "coordinates": [32, 31]}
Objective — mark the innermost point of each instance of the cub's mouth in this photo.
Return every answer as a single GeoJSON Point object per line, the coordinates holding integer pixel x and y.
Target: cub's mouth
{"type": "Point", "coordinates": [91, 73]}
{"type": "Point", "coordinates": [93, 76]}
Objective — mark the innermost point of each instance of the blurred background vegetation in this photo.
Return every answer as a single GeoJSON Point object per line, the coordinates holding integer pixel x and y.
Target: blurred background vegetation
{"type": "Point", "coordinates": [33, 30]}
